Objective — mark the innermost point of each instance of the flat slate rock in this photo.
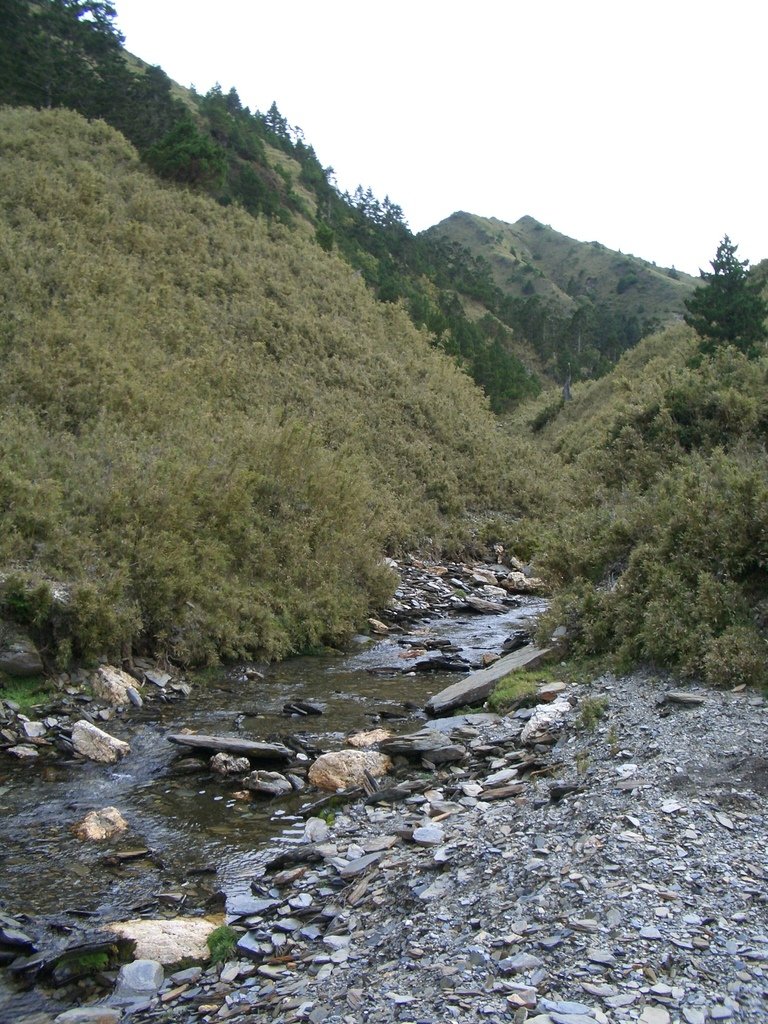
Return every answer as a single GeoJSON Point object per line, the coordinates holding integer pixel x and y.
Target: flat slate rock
{"type": "Point", "coordinates": [232, 745]}
{"type": "Point", "coordinates": [429, 743]}
{"type": "Point", "coordinates": [483, 607]}
{"type": "Point", "coordinates": [477, 686]}
{"type": "Point", "coordinates": [685, 698]}
{"type": "Point", "coordinates": [449, 725]}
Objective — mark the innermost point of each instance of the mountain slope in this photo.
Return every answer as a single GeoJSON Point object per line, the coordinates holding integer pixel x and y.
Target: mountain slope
{"type": "Point", "coordinates": [655, 527]}
{"type": "Point", "coordinates": [578, 303]}
{"type": "Point", "coordinates": [70, 54]}
{"type": "Point", "coordinates": [209, 429]}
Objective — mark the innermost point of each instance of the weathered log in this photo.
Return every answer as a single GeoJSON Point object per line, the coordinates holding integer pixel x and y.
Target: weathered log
{"type": "Point", "coordinates": [502, 792]}
{"type": "Point", "coordinates": [478, 685]}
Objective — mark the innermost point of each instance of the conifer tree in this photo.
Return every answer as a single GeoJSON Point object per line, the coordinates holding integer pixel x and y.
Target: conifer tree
{"type": "Point", "coordinates": [727, 308]}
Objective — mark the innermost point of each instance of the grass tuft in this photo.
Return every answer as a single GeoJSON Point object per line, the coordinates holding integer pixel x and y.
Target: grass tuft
{"type": "Point", "coordinates": [222, 943]}
{"type": "Point", "coordinates": [516, 686]}
{"type": "Point", "coordinates": [27, 692]}
{"type": "Point", "coordinates": [591, 711]}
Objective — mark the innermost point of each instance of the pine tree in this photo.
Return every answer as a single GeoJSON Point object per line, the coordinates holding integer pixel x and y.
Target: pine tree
{"type": "Point", "coordinates": [727, 308]}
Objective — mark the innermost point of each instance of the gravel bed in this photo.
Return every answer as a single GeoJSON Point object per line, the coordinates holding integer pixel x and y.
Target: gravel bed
{"type": "Point", "coordinates": [610, 868]}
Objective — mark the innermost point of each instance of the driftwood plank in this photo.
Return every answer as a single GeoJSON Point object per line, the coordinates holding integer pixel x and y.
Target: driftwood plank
{"type": "Point", "coordinates": [477, 686]}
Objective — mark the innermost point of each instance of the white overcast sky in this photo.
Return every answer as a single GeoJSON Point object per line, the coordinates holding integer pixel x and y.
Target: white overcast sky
{"type": "Point", "coordinates": [639, 125]}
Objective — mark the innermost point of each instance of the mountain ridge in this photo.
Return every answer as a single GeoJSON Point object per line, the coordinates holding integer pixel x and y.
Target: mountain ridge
{"type": "Point", "coordinates": [556, 284]}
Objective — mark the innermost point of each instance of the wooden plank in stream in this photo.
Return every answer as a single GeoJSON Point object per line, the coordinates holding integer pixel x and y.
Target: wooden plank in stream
{"type": "Point", "coordinates": [231, 745]}
{"type": "Point", "coordinates": [477, 686]}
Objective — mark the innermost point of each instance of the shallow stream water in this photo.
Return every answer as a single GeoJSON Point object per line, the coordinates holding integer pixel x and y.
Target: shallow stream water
{"type": "Point", "coordinates": [201, 840]}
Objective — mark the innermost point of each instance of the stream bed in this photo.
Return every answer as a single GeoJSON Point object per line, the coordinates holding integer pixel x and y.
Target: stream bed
{"type": "Point", "coordinates": [201, 841]}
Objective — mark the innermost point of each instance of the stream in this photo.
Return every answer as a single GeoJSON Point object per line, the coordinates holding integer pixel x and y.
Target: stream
{"type": "Point", "coordinates": [202, 841]}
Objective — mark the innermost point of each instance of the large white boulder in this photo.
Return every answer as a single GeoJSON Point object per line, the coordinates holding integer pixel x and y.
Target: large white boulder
{"type": "Point", "coordinates": [95, 744]}
{"type": "Point", "coordinates": [167, 941]}
{"type": "Point", "coordinates": [112, 685]}
{"type": "Point", "coordinates": [102, 824]}
{"type": "Point", "coordinates": [546, 718]}
{"type": "Point", "coordinates": [343, 769]}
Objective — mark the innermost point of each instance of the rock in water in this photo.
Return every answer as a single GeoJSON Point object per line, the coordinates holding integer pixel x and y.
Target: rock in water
{"type": "Point", "coordinates": [23, 751]}
{"type": "Point", "coordinates": [101, 824]}
{"type": "Point", "coordinates": [270, 783]}
{"type": "Point", "coordinates": [302, 707]}
{"type": "Point", "coordinates": [251, 749]}
{"type": "Point", "coordinates": [344, 768]}
{"type": "Point", "coordinates": [95, 744]}
{"type": "Point", "coordinates": [228, 764]}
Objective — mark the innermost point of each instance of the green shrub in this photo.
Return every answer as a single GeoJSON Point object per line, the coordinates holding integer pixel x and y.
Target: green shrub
{"type": "Point", "coordinates": [591, 710]}
{"type": "Point", "coordinates": [25, 600]}
{"type": "Point", "coordinates": [738, 656]}
{"type": "Point", "coordinates": [655, 534]}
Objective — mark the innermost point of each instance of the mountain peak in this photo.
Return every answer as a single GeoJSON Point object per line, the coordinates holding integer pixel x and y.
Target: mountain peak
{"type": "Point", "coordinates": [579, 303]}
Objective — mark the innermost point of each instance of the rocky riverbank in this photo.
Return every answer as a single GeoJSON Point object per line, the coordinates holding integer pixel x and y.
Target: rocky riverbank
{"type": "Point", "coordinates": [598, 858]}
{"type": "Point", "coordinates": [611, 870]}
{"type": "Point", "coordinates": [625, 880]}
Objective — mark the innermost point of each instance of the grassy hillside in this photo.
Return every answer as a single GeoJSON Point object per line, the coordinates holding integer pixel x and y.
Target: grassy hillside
{"type": "Point", "coordinates": [68, 54]}
{"type": "Point", "coordinates": [655, 531]}
{"type": "Point", "coordinates": [209, 429]}
{"type": "Point", "coordinates": [578, 303]}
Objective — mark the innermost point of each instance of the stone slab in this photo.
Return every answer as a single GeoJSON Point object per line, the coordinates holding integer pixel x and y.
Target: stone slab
{"type": "Point", "coordinates": [477, 686]}
{"type": "Point", "coordinates": [232, 745]}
